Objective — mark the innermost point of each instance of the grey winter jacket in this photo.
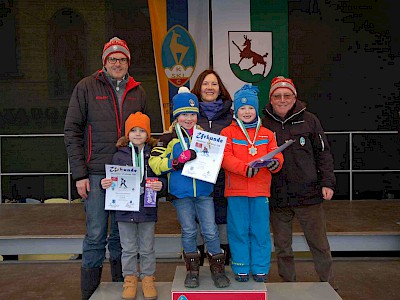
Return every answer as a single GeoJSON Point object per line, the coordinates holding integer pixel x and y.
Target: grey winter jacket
{"type": "Point", "coordinates": [94, 122]}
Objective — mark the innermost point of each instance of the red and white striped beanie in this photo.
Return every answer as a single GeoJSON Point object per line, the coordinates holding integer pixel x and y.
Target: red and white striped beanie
{"type": "Point", "coordinates": [115, 45]}
{"type": "Point", "coordinates": [282, 82]}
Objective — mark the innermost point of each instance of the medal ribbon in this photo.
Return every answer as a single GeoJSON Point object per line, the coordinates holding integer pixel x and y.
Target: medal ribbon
{"type": "Point", "coordinates": [243, 128]}
{"type": "Point", "coordinates": [180, 137]}
{"type": "Point", "coordinates": [137, 160]}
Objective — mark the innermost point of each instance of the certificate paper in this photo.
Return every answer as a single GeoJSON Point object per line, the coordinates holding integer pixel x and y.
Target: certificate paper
{"type": "Point", "coordinates": [124, 192]}
{"type": "Point", "coordinates": [270, 155]}
{"type": "Point", "coordinates": [209, 148]}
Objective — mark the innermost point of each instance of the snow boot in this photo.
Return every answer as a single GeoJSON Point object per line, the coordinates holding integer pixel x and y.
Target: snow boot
{"type": "Point", "coordinates": [217, 267]}
{"type": "Point", "coordinates": [149, 289]}
{"type": "Point", "coordinates": [90, 280]}
{"type": "Point", "coordinates": [130, 287]}
{"type": "Point", "coordinates": [192, 261]}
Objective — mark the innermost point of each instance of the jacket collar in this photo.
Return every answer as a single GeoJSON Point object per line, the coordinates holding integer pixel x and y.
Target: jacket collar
{"type": "Point", "coordinates": [132, 83]}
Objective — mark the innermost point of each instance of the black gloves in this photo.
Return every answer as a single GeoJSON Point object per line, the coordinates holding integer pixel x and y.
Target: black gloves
{"type": "Point", "coordinates": [251, 172]}
{"type": "Point", "coordinates": [273, 165]}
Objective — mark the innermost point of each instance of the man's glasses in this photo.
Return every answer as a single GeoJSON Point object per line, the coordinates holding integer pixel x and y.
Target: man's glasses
{"type": "Point", "coordinates": [279, 96]}
{"type": "Point", "coordinates": [113, 60]}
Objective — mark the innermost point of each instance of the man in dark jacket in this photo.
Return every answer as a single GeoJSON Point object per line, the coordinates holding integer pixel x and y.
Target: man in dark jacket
{"type": "Point", "coordinates": [304, 182]}
{"type": "Point", "coordinates": [99, 106]}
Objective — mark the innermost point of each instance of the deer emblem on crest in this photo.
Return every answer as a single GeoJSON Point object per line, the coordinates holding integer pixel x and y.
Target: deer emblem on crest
{"type": "Point", "coordinates": [247, 53]}
{"type": "Point", "coordinates": [179, 55]}
{"type": "Point", "coordinates": [177, 48]}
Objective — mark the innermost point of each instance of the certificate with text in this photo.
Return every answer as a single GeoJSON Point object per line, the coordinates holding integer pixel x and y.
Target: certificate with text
{"type": "Point", "coordinates": [209, 148]}
{"type": "Point", "coordinates": [124, 192]}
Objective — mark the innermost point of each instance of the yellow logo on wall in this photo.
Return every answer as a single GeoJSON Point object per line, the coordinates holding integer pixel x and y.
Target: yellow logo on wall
{"type": "Point", "coordinates": [179, 55]}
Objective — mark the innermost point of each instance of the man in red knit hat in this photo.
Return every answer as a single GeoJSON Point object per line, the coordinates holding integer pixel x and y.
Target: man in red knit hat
{"type": "Point", "coordinates": [98, 109]}
{"type": "Point", "coordinates": [304, 182]}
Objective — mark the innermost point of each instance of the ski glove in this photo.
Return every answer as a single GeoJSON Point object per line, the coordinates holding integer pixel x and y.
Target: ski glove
{"type": "Point", "coordinates": [273, 165]}
{"type": "Point", "coordinates": [251, 172]}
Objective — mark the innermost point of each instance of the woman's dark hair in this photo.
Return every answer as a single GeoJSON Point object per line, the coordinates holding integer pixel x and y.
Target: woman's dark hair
{"type": "Point", "coordinates": [224, 94]}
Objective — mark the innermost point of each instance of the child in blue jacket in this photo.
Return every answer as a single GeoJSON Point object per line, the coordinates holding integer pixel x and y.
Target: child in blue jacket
{"type": "Point", "coordinates": [191, 197]}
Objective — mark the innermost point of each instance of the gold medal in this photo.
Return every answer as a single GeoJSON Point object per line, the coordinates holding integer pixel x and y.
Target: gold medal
{"type": "Point", "coordinates": [253, 150]}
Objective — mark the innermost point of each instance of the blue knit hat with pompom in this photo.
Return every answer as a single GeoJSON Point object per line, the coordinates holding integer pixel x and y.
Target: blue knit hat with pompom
{"type": "Point", "coordinates": [184, 102]}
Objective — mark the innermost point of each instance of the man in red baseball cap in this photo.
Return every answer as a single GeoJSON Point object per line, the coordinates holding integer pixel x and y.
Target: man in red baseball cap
{"type": "Point", "coordinates": [98, 109]}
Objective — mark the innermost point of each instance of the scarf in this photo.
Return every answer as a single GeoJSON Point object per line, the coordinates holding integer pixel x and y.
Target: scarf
{"type": "Point", "coordinates": [211, 108]}
{"type": "Point", "coordinates": [252, 124]}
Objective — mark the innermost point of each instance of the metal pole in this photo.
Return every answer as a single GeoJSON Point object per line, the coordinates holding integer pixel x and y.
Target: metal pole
{"type": "Point", "coordinates": [211, 64]}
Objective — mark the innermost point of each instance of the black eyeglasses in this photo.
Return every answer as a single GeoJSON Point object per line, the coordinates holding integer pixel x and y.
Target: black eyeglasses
{"type": "Point", "coordinates": [113, 60]}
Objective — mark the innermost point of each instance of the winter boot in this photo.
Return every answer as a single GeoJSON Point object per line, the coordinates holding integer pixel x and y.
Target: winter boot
{"type": "Point", "coordinates": [192, 261]}
{"type": "Point", "coordinates": [202, 254]}
{"type": "Point", "coordinates": [116, 270]}
{"type": "Point", "coordinates": [90, 280]}
{"type": "Point", "coordinates": [262, 277]}
{"type": "Point", "coordinates": [149, 289]}
{"type": "Point", "coordinates": [242, 277]}
{"type": "Point", "coordinates": [227, 251]}
{"type": "Point", "coordinates": [130, 287]}
{"type": "Point", "coordinates": [217, 268]}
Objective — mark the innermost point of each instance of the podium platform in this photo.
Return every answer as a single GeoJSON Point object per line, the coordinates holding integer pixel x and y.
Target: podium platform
{"type": "Point", "coordinates": [301, 291]}
{"type": "Point", "coordinates": [113, 291]}
{"type": "Point", "coordinates": [250, 290]}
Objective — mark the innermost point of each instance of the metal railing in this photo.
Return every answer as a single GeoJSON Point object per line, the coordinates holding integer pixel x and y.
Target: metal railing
{"type": "Point", "coordinates": [350, 171]}
{"type": "Point", "coordinates": [68, 173]}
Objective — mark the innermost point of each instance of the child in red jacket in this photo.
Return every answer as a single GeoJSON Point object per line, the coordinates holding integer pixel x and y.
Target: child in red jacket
{"type": "Point", "coordinates": [248, 188]}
